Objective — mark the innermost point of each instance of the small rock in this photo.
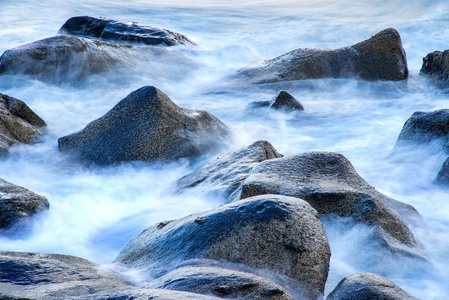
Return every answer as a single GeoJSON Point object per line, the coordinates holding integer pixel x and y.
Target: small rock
{"type": "Point", "coordinates": [283, 100]}
{"type": "Point", "coordinates": [443, 174]}
{"type": "Point", "coordinates": [436, 66]}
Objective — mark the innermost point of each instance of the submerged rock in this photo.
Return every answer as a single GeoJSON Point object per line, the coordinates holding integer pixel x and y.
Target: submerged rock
{"type": "Point", "coordinates": [18, 123]}
{"type": "Point", "coordinates": [124, 32]}
{"type": "Point", "coordinates": [443, 174]}
{"type": "Point", "coordinates": [144, 294]}
{"type": "Point", "coordinates": [330, 184]}
{"type": "Point", "coordinates": [436, 66]}
{"type": "Point", "coordinates": [220, 282]}
{"type": "Point", "coordinates": [283, 100]}
{"type": "Point", "coordinates": [146, 125]}
{"type": "Point", "coordinates": [367, 286]}
{"type": "Point", "coordinates": [379, 58]}
{"type": "Point", "coordinates": [17, 208]}
{"type": "Point", "coordinates": [276, 233]}
{"type": "Point", "coordinates": [225, 174]}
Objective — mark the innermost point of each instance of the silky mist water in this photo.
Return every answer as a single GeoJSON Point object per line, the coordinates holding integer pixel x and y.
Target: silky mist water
{"type": "Point", "coordinates": [95, 211]}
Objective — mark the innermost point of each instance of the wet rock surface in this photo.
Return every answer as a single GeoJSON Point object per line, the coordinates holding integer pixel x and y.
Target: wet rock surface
{"type": "Point", "coordinates": [379, 58]}
{"type": "Point", "coordinates": [436, 67]}
{"type": "Point", "coordinates": [272, 232]}
{"type": "Point", "coordinates": [123, 32]}
{"type": "Point", "coordinates": [18, 123]}
{"type": "Point", "coordinates": [282, 101]}
{"type": "Point", "coordinates": [225, 174]}
{"type": "Point", "coordinates": [146, 125]}
{"type": "Point", "coordinates": [365, 286]}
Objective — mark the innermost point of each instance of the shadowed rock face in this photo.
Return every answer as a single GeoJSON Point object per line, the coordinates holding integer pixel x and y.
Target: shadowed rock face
{"type": "Point", "coordinates": [220, 282]}
{"type": "Point", "coordinates": [18, 123]}
{"type": "Point", "coordinates": [436, 66]}
{"type": "Point", "coordinates": [146, 125]}
{"type": "Point", "coordinates": [125, 32]}
{"type": "Point", "coordinates": [329, 182]}
{"type": "Point", "coordinates": [272, 232]}
{"type": "Point", "coordinates": [368, 286]}
{"type": "Point", "coordinates": [17, 207]}
{"type": "Point", "coordinates": [379, 58]}
{"type": "Point", "coordinates": [225, 174]}
{"type": "Point", "coordinates": [443, 174]}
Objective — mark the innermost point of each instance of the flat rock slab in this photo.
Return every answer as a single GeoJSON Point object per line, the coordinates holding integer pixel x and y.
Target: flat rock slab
{"type": "Point", "coordinates": [146, 125]}
{"type": "Point", "coordinates": [123, 32]}
{"type": "Point", "coordinates": [277, 233]}
{"type": "Point", "coordinates": [379, 58]}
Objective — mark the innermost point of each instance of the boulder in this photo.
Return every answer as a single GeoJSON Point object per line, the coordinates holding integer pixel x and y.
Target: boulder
{"type": "Point", "coordinates": [146, 125]}
{"type": "Point", "coordinates": [443, 174]}
{"type": "Point", "coordinates": [17, 208]}
{"type": "Point", "coordinates": [283, 100]}
{"type": "Point", "coordinates": [330, 184]}
{"type": "Point", "coordinates": [425, 127]}
{"type": "Point", "coordinates": [18, 123]}
{"type": "Point", "coordinates": [123, 32]}
{"type": "Point", "coordinates": [276, 233]}
{"type": "Point", "coordinates": [436, 67]}
{"type": "Point", "coordinates": [379, 58]}
{"type": "Point", "coordinates": [367, 286]}
{"type": "Point", "coordinates": [220, 282]}
{"type": "Point", "coordinates": [224, 175]}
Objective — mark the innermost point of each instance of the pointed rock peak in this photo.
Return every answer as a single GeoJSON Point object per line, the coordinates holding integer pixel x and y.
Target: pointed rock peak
{"type": "Point", "coordinates": [283, 100]}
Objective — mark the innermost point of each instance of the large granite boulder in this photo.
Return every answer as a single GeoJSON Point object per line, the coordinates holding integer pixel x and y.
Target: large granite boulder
{"type": "Point", "coordinates": [379, 58]}
{"type": "Point", "coordinates": [282, 101]}
{"type": "Point", "coordinates": [367, 286]}
{"type": "Point", "coordinates": [224, 175]}
{"type": "Point", "coordinates": [276, 233]}
{"type": "Point", "coordinates": [17, 208]}
{"type": "Point", "coordinates": [123, 32]}
{"type": "Point", "coordinates": [146, 125]}
{"type": "Point", "coordinates": [18, 123]}
{"type": "Point", "coordinates": [220, 282]}
{"type": "Point", "coordinates": [436, 67]}
{"type": "Point", "coordinates": [330, 184]}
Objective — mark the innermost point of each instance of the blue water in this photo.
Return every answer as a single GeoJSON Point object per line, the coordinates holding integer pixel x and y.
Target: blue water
{"type": "Point", "coordinates": [96, 211]}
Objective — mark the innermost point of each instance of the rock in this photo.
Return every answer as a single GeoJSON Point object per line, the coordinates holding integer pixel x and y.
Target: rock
{"type": "Point", "coordinates": [144, 294]}
{"type": "Point", "coordinates": [224, 175]}
{"type": "Point", "coordinates": [283, 100]}
{"type": "Point", "coordinates": [379, 58]}
{"type": "Point", "coordinates": [436, 67]}
{"type": "Point", "coordinates": [123, 32]}
{"type": "Point", "coordinates": [367, 286]}
{"type": "Point", "coordinates": [424, 127]}
{"type": "Point", "coordinates": [17, 208]}
{"type": "Point", "coordinates": [220, 282]}
{"type": "Point", "coordinates": [146, 125]}
{"type": "Point", "coordinates": [18, 123]}
{"type": "Point", "coordinates": [443, 174]}
{"type": "Point", "coordinates": [330, 184]}
{"type": "Point", "coordinates": [271, 232]}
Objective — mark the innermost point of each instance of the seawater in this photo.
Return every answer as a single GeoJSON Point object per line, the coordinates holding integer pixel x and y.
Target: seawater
{"type": "Point", "coordinates": [95, 211]}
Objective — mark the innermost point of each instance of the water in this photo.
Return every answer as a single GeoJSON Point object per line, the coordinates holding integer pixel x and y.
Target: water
{"type": "Point", "coordinates": [96, 211]}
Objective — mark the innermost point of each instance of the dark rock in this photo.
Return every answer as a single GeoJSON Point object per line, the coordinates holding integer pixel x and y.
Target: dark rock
{"type": "Point", "coordinates": [17, 207]}
{"type": "Point", "coordinates": [146, 125]}
{"type": "Point", "coordinates": [443, 174]}
{"type": "Point", "coordinates": [282, 100]}
{"type": "Point", "coordinates": [367, 286]}
{"type": "Point", "coordinates": [18, 123]}
{"type": "Point", "coordinates": [379, 58]}
{"type": "Point", "coordinates": [256, 232]}
{"type": "Point", "coordinates": [220, 282]}
{"type": "Point", "coordinates": [329, 182]}
{"type": "Point", "coordinates": [436, 66]}
{"type": "Point", "coordinates": [424, 127]}
{"type": "Point", "coordinates": [225, 174]}
{"type": "Point", "coordinates": [124, 32]}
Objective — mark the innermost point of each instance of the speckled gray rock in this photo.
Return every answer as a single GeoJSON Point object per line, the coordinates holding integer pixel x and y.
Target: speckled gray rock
{"type": "Point", "coordinates": [282, 101]}
{"type": "Point", "coordinates": [424, 127]}
{"type": "Point", "coordinates": [379, 58]}
{"type": "Point", "coordinates": [17, 208]}
{"type": "Point", "coordinates": [146, 125]}
{"type": "Point", "coordinates": [225, 174]}
{"type": "Point", "coordinates": [18, 123]}
{"type": "Point", "coordinates": [329, 182]}
{"type": "Point", "coordinates": [220, 282]}
{"type": "Point", "coordinates": [123, 32]}
{"type": "Point", "coordinates": [368, 286]}
{"type": "Point", "coordinates": [436, 67]}
{"type": "Point", "coordinates": [277, 233]}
